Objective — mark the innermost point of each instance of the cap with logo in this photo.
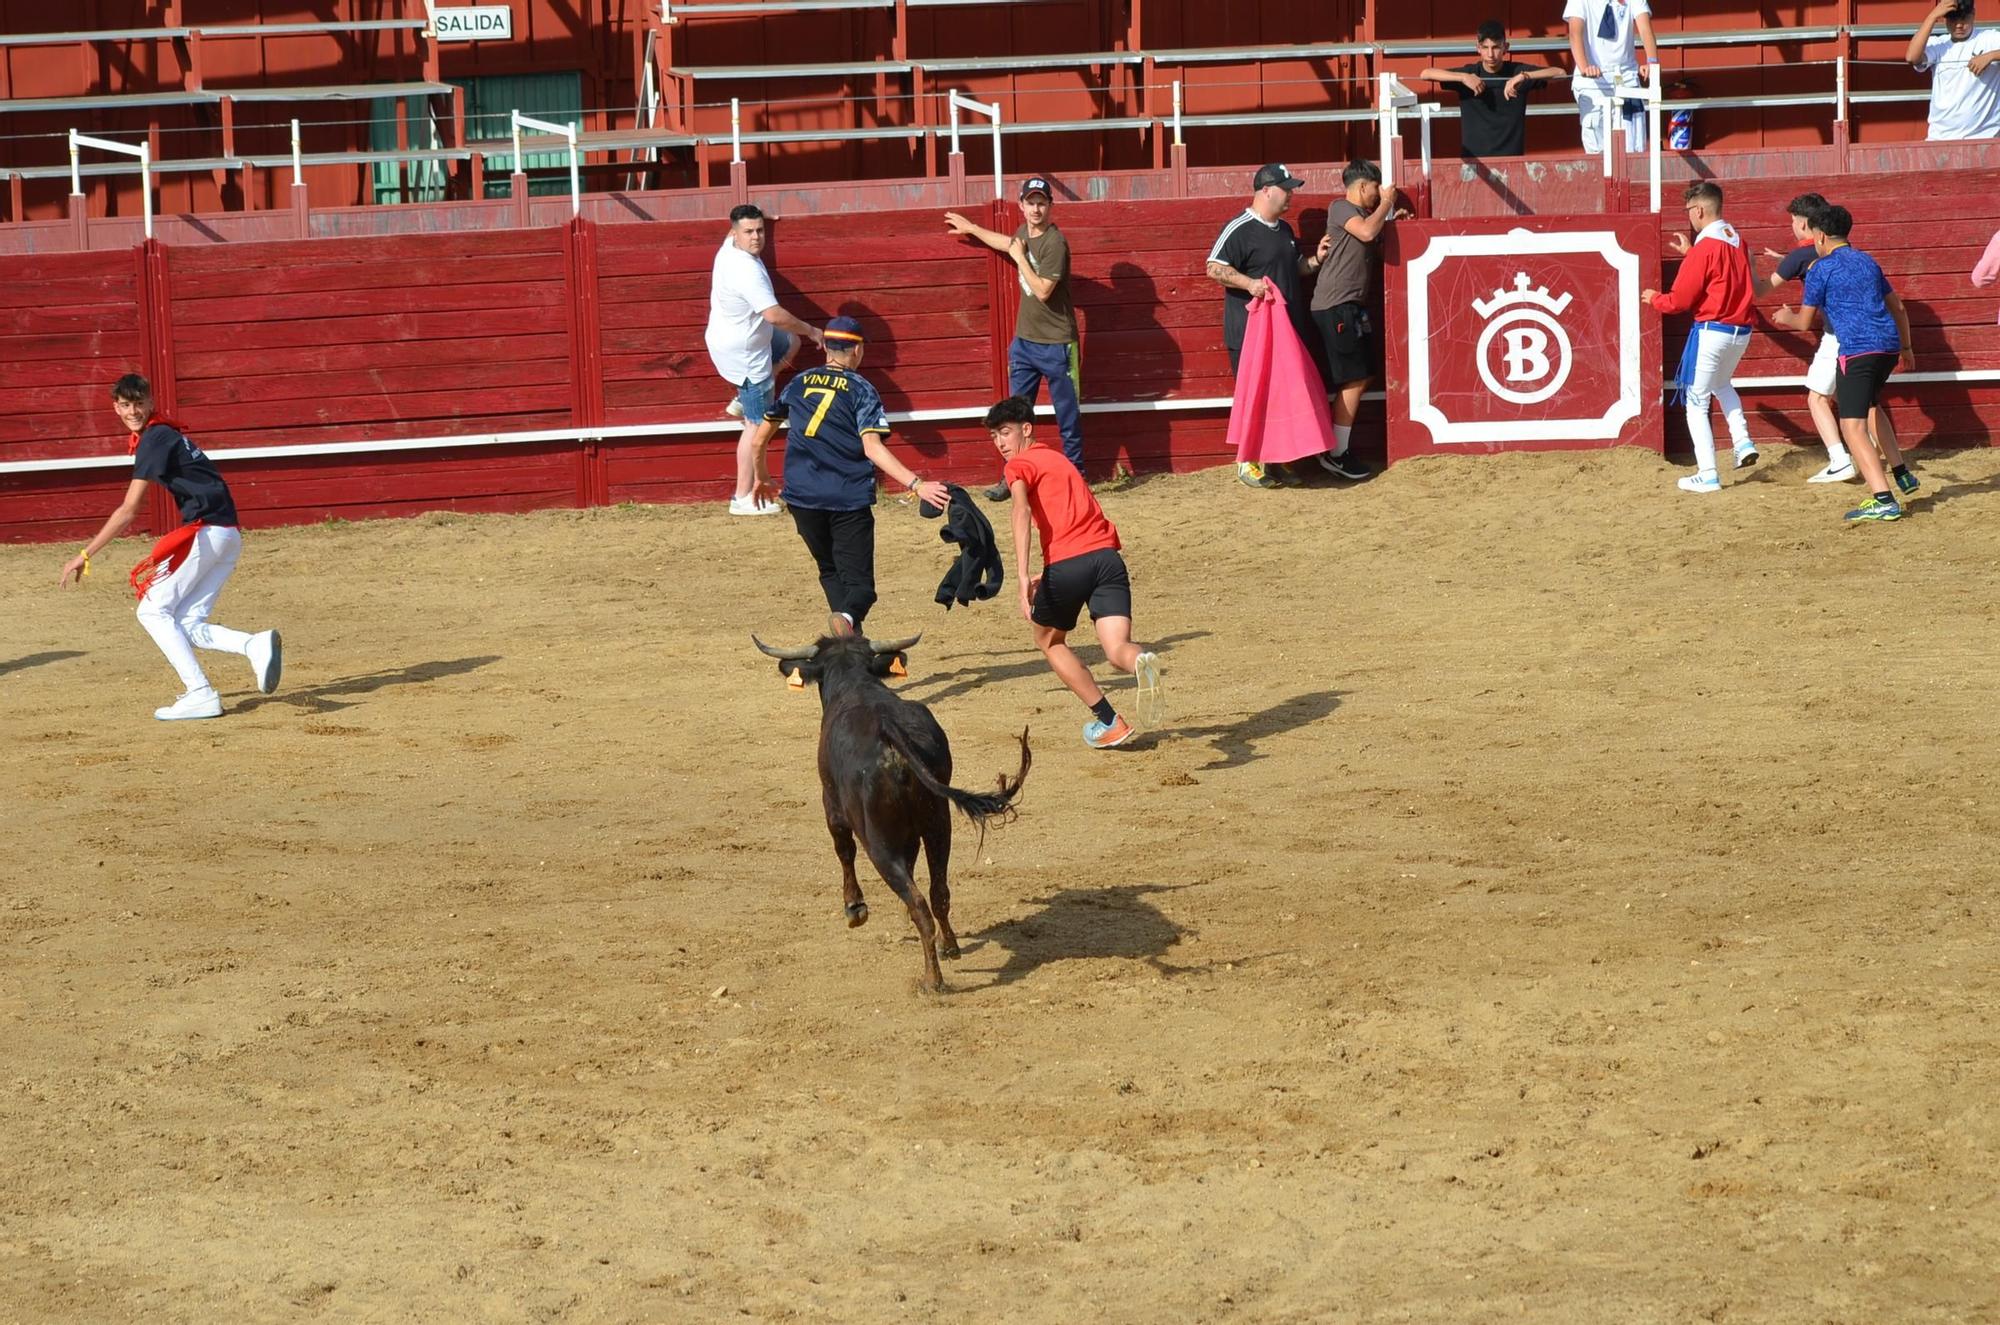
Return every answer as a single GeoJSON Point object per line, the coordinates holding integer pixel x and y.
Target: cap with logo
{"type": "Point", "coordinates": [1277, 173]}
{"type": "Point", "coordinates": [1036, 184]}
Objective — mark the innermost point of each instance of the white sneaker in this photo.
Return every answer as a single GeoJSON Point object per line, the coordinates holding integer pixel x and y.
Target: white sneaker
{"type": "Point", "coordinates": [202, 703]}
{"type": "Point", "coordinates": [1149, 701]}
{"type": "Point", "coordinates": [1836, 474]}
{"type": "Point", "coordinates": [1700, 483]}
{"type": "Point", "coordinates": [1746, 456]}
{"type": "Point", "coordinates": [748, 506]}
{"type": "Point", "coordinates": [266, 652]}
{"type": "Point", "coordinates": [734, 409]}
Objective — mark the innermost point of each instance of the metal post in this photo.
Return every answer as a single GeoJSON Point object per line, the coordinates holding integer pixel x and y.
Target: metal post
{"type": "Point", "coordinates": [1177, 113]}
{"type": "Point", "coordinates": [146, 185]}
{"type": "Point", "coordinates": [1611, 108]}
{"type": "Point", "coordinates": [143, 152]}
{"type": "Point", "coordinates": [1839, 88]}
{"type": "Point", "coordinates": [1653, 128]}
{"type": "Point", "coordinates": [75, 168]}
{"type": "Point", "coordinates": [736, 131]}
{"type": "Point", "coordinates": [1393, 96]}
{"type": "Point", "coordinates": [1424, 136]}
{"type": "Point", "coordinates": [952, 96]}
{"type": "Point", "coordinates": [992, 111]}
{"type": "Point", "coordinates": [567, 131]}
{"type": "Point", "coordinates": [297, 163]}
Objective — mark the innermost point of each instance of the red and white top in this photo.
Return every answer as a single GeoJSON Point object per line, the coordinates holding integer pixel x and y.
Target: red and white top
{"type": "Point", "coordinates": [1714, 279]}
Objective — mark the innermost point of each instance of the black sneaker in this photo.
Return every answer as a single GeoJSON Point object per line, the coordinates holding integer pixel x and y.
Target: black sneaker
{"type": "Point", "coordinates": [1906, 482]}
{"type": "Point", "coordinates": [998, 492]}
{"type": "Point", "coordinates": [1345, 466]}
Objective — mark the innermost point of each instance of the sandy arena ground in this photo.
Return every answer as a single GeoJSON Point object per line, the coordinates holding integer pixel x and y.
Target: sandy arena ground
{"type": "Point", "coordinates": [1554, 898]}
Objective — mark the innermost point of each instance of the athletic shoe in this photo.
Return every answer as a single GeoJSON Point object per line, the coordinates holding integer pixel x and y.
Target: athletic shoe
{"type": "Point", "coordinates": [734, 409]}
{"type": "Point", "coordinates": [749, 506]}
{"type": "Point", "coordinates": [998, 492]}
{"type": "Point", "coordinates": [1700, 483]}
{"type": "Point", "coordinates": [1876, 509]}
{"type": "Point", "coordinates": [202, 703]}
{"type": "Point", "coordinates": [1102, 736]}
{"type": "Point", "coordinates": [1836, 474]}
{"type": "Point", "coordinates": [1283, 476]}
{"type": "Point", "coordinates": [1148, 700]}
{"type": "Point", "coordinates": [1345, 466]}
{"type": "Point", "coordinates": [1906, 483]}
{"type": "Point", "coordinates": [266, 651]}
{"type": "Point", "coordinates": [1746, 456]}
{"type": "Point", "coordinates": [1251, 475]}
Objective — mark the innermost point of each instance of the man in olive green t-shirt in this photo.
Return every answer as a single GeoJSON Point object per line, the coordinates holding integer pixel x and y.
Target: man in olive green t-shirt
{"type": "Point", "coordinates": [1044, 348]}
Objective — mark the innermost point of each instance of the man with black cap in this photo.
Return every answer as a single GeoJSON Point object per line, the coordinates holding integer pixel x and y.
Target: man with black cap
{"type": "Point", "coordinates": [835, 442]}
{"type": "Point", "coordinates": [1044, 348]}
{"type": "Point", "coordinates": [1965, 97]}
{"type": "Point", "coordinates": [1253, 246]}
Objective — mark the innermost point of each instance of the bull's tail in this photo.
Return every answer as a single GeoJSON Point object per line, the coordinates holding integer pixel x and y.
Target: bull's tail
{"type": "Point", "coordinates": [976, 806]}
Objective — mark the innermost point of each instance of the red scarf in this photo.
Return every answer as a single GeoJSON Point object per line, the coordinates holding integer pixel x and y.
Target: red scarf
{"type": "Point", "coordinates": [164, 559]}
{"type": "Point", "coordinates": [132, 446]}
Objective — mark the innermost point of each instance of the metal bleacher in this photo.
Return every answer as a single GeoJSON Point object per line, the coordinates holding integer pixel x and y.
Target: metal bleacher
{"type": "Point", "coordinates": [1132, 77]}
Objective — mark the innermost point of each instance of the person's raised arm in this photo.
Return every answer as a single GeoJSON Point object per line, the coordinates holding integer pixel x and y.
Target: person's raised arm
{"type": "Point", "coordinates": [1799, 319]}
{"type": "Point", "coordinates": [1368, 228]}
{"type": "Point", "coordinates": [1040, 286]}
{"type": "Point", "coordinates": [779, 318]}
{"type": "Point", "coordinates": [1914, 52]}
{"type": "Point", "coordinates": [1987, 269]}
{"type": "Point", "coordinates": [993, 239]}
{"type": "Point", "coordinates": [1643, 25]}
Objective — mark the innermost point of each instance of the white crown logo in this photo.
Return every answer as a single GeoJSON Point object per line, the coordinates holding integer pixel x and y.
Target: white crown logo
{"type": "Point", "coordinates": [1486, 308]}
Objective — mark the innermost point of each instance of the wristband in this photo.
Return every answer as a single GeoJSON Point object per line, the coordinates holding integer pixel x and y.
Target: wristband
{"type": "Point", "coordinates": [85, 572]}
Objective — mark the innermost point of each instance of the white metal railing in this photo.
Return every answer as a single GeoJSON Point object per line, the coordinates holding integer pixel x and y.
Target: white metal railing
{"type": "Point", "coordinates": [959, 101]}
{"type": "Point", "coordinates": [560, 130]}
{"type": "Point", "coordinates": [143, 151]}
{"type": "Point", "coordinates": [298, 163]}
{"type": "Point", "coordinates": [1393, 99]}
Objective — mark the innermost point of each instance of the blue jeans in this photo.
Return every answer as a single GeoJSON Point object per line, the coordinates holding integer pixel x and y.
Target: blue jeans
{"type": "Point", "coordinates": [1029, 364]}
{"type": "Point", "coordinates": [758, 397]}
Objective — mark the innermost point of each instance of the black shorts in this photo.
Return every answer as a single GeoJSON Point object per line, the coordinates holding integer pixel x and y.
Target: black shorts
{"type": "Point", "coordinates": [1347, 332]}
{"type": "Point", "coordinates": [1096, 578]}
{"type": "Point", "coordinates": [1860, 381]}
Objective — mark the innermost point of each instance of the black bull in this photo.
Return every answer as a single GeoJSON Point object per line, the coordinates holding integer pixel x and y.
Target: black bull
{"type": "Point", "coordinates": [885, 776]}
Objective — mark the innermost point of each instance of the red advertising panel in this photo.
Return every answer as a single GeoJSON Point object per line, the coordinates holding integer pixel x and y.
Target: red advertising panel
{"type": "Point", "coordinates": [1522, 334]}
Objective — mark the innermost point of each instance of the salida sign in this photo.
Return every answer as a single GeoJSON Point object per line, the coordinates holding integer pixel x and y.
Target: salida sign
{"type": "Point", "coordinates": [486, 23]}
{"type": "Point", "coordinates": [1522, 334]}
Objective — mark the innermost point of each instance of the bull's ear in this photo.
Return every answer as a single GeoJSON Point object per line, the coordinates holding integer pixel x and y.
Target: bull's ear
{"type": "Point", "coordinates": [890, 664]}
{"type": "Point", "coordinates": [798, 672]}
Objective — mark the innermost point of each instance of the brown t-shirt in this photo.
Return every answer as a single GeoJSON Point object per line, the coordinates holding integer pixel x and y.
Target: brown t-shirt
{"type": "Point", "coordinates": [1348, 277]}
{"type": "Point", "coordinates": [1054, 322]}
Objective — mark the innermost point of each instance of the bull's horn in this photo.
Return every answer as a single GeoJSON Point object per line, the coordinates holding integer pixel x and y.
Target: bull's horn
{"type": "Point", "coordinates": [786, 655]}
{"type": "Point", "coordinates": [895, 645]}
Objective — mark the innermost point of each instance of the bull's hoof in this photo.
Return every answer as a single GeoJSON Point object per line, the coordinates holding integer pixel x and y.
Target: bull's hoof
{"type": "Point", "coordinates": [857, 915]}
{"type": "Point", "coordinates": [949, 951]}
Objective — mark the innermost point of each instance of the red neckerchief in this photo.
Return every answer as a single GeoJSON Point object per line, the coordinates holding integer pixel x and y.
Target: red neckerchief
{"type": "Point", "coordinates": [132, 447]}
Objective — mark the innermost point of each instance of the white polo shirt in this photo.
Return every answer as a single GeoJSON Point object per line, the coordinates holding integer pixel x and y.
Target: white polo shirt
{"type": "Point", "coordinates": [1609, 39]}
{"type": "Point", "coordinates": [739, 339]}
{"type": "Point", "coordinates": [1963, 106]}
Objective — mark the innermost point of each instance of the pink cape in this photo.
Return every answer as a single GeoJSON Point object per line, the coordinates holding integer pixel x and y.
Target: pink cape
{"type": "Point", "coordinates": [1280, 411]}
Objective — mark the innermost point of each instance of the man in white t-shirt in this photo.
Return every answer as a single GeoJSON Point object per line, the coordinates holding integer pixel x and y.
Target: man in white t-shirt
{"type": "Point", "coordinates": [1601, 36]}
{"type": "Point", "coordinates": [749, 339]}
{"type": "Point", "coordinates": [1965, 95]}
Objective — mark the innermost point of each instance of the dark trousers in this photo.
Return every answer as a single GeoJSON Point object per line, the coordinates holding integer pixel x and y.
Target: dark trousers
{"type": "Point", "coordinates": [843, 546]}
{"type": "Point", "coordinates": [1029, 364]}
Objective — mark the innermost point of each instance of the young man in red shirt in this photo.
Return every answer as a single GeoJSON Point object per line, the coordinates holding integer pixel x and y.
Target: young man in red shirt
{"type": "Point", "coordinates": [1714, 282]}
{"type": "Point", "coordinates": [1080, 566]}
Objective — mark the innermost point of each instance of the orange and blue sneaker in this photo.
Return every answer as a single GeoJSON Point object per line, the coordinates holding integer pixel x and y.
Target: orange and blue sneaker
{"type": "Point", "coordinates": [1104, 735]}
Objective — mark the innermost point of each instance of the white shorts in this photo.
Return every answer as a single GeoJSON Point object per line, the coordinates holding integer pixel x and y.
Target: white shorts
{"type": "Point", "coordinates": [1590, 98]}
{"type": "Point", "coordinates": [1825, 365]}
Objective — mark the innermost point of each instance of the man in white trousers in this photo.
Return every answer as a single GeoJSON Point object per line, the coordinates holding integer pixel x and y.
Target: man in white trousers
{"type": "Point", "coordinates": [180, 580]}
{"type": "Point", "coordinates": [1601, 42]}
{"type": "Point", "coordinates": [1714, 283]}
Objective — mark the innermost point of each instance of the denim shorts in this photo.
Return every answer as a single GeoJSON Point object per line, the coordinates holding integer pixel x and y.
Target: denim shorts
{"type": "Point", "coordinates": [758, 397]}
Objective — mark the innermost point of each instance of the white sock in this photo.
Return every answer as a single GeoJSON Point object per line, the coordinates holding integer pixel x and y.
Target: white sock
{"type": "Point", "coordinates": [1341, 432]}
{"type": "Point", "coordinates": [1837, 457]}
